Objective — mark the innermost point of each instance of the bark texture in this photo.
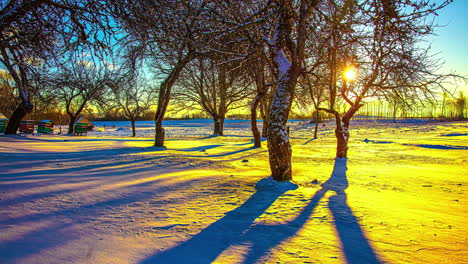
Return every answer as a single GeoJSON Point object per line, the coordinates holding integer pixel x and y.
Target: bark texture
{"type": "Point", "coordinates": [133, 127]}
{"type": "Point", "coordinates": [164, 98]}
{"type": "Point", "coordinates": [342, 137]}
{"type": "Point", "coordinates": [218, 125]}
{"type": "Point", "coordinates": [21, 111]}
{"type": "Point", "coordinates": [279, 146]}
{"type": "Point", "coordinates": [253, 122]}
{"type": "Point", "coordinates": [288, 46]}
{"type": "Point", "coordinates": [260, 83]}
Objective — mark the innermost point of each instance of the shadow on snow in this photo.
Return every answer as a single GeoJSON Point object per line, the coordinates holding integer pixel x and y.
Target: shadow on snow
{"type": "Point", "coordinates": [237, 227]}
{"type": "Point", "coordinates": [428, 146]}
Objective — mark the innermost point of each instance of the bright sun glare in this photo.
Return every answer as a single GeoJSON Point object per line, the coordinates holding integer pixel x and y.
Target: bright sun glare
{"type": "Point", "coordinates": [350, 73]}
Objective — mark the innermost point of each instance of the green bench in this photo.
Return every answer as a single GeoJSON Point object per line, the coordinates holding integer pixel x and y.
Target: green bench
{"type": "Point", "coordinates": [80, 129]}
{"type": "Point", "coordinates": [3, 123]}
{"type": "Point", "coordinates": [45, 127]}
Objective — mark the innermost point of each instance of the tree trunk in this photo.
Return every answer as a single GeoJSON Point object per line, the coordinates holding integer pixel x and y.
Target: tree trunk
{"type": "Point", "coordinates": [342, 129]}
{"type": "Point", "coordinates": [264, 119]}
{"type": "Point", "coordinates": [279, 147]}
{"type": "Point", "coordinates": [21, 80]}
{"type": "Point", "coordinates": [253, 121]}
{"type": "Point", "coordinates": [21, 111]}
{"type": "Point", "coordinates": [70, 128]}
{"type": "Point", "coordinates": [133, 128]}
{"type": "Point", "coordinates": [342, 137]}
{"type": "Point", "coordinates": [71, 124]}
{"type": "Point", "coordinates": [160, 134]}
{"type": "Point", "coordinates": [316, 122]}
{"type": "Point", "coordinates": [164, 98]}
{"type": "Point", "coordinates": [395, 109]}
{"type": "Point", "coordinates": [218, 125]}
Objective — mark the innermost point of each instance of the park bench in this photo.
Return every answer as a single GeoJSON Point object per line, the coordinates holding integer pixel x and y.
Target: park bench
{"type": "Point", "coordinates": [45, 127]}
{"type": "Point", "coordinates": [80, 129]}
{"type": "Point", "coordinates": [26, 126]}
{"type": "Point", "coordinates": [3, 123]}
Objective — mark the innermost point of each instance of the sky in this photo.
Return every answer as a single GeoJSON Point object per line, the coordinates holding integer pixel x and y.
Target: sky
{"type": "Point", "coordinates": [451, 42]}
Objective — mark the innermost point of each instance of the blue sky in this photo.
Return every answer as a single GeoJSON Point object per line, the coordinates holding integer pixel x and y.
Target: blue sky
{"type": "Point", "coordinates": [452, 40]}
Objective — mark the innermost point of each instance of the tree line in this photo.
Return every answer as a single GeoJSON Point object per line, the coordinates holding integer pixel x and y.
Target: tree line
{"type": "Point", "coordinates": [130, 56]}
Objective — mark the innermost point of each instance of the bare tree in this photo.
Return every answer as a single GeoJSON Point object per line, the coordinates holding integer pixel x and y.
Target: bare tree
{"type": "Point", "coordinates": [238, 30]}
{"type": "Point", "coordinates": [216, 87]}
{"type": "Point", "coordinates": [168, 33]}
{"type": "Point", "coordinates": [50, 23]}
{"type": "Point", "coordinates": [398, 103]}
{"type": "Point", "coordinates": [79, 82]}
{"type": "Point", "coordinates": [291, 26]}
{"type": "Point", "coordinates": [460, 104]}
{"type": "Point", "coordinates": [385, 53]}
{"type": "Point", "coordinates": [313, 81]}
{"type": "Point", "coordinates": [288, 47]}
{"type": "Point", "coordinates": [378, 37]}
{"type": "Point", "coordinates": [133, 98]}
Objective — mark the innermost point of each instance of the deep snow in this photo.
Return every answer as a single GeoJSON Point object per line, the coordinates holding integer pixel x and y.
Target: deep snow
{"type": "Point", "coordinates": [110, 198]}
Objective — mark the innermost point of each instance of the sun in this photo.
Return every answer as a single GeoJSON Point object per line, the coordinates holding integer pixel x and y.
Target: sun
{"type": "Point", "coordinates": [350, 73]}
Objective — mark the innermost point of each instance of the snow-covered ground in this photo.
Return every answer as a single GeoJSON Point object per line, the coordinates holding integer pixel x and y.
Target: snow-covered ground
{"type": "Point", "coordinates": [401, 197]}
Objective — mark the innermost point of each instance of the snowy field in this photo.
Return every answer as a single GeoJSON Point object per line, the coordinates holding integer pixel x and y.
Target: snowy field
{"type": "Point", "coordinates": [104, 198]}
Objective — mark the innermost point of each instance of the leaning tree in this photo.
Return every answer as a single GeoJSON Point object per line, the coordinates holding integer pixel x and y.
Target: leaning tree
{"type": "Point", "coordinates": [167, 34]}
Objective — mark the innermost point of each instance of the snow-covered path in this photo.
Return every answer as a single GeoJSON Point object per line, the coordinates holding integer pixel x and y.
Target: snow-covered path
{"type": "Point", "coordinates": [399, 198]}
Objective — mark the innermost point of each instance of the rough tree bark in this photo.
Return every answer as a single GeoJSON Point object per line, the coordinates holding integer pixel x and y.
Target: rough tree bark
{"type": "Point", "coordinates": [133, 127]}
{"type": "Point", "coordinates": [71, 129]}
{"type": "Point", "coordinates": [19, 75]}
{"type": "Point", "coordinates": [289, 37]}
{"type": "Point", "coordinates": [253, 120]}
{"type": "Point", "coordinates": [279, 146]}
{"type": "Point", "coordinates": [260, 84]}
{"type": "Point", "coordinates": [164, 97]}
{"type": "Point", "coordinates": [264, 114]}
{"type": "Point", "coordinates": [342, 138]}
{"type": "Point", "coordinates": [219, 124]}
{"type": "Point", "coordinates": [73, 118]}
{"type": "Point", "coordinates": [316, 122]}
{"type": "Point", "coordinates": [21, 111]}
{"type": "Point", "coordinates": [163, 102]}
{"type": "Point", "coordinates": [342, 127]}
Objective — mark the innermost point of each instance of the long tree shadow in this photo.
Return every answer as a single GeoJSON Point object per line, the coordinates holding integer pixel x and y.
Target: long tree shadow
{"type": "Point", "coordinates": [356, 247]}
{"type": "Point", "coordinates": [57, 230]}
{"type": "Point", "coordinates": [207, 245]}
{"type": "Point", "coordinates": [238, 228]}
